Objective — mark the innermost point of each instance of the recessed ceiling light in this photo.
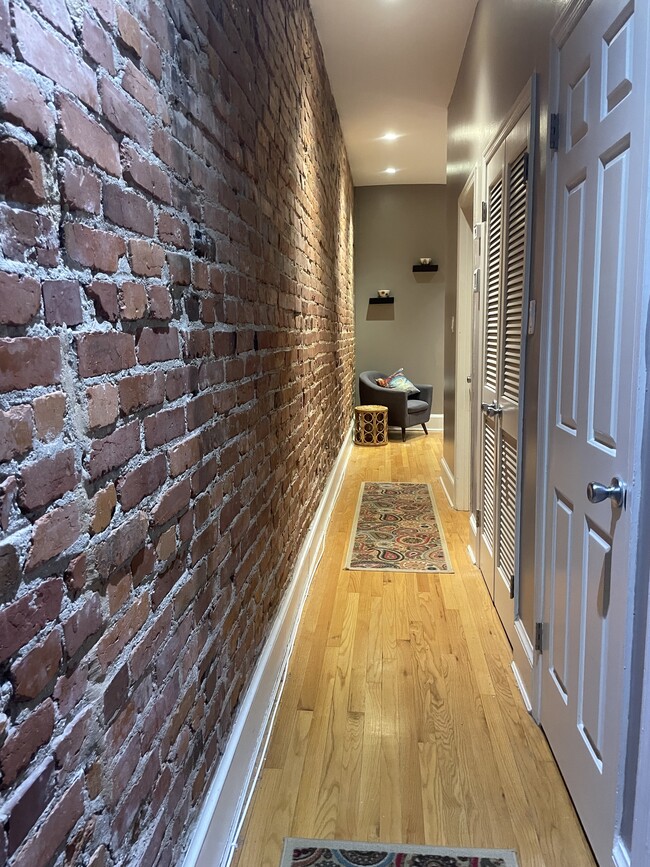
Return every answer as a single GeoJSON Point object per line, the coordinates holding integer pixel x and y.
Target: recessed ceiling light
{"type": "Point", "coordinates": [390, 136]}
{"type": "Point", "coordinates": [390, 171]}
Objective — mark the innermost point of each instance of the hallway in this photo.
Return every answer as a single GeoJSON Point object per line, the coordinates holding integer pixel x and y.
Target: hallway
{"type": "Point", "coordinates": [400, 719]}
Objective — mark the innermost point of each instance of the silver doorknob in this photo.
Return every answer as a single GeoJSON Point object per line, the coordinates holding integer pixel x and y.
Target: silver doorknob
{"type": "Point", "coordinates": [616, 492]}
{"type": "Point", "coordinates": [491, 409]}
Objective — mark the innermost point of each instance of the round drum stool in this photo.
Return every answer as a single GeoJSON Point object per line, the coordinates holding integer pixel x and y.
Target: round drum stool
{"type": "Point", "coordinates": [371, 425]}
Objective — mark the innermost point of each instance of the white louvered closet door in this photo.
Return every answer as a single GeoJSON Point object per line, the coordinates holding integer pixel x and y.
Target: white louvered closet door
{"type": "Point", "coordinates": [505, 299]}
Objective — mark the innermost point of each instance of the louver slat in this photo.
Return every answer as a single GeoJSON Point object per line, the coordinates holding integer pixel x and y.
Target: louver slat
{"type": "Point", "coordinates": [495, 206]}
{"type": "Point", "coordinates": [489, 473]}
{"type": "Point", "coordinates": [515, 266]}
{"type": "Point", "coordinates": [507, 512]}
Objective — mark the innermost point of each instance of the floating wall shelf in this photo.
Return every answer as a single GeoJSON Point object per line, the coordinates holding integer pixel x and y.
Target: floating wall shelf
{"type": "Point", "coordinates": [431, 267]}
{"type": "Point", "coordinates": [382, 300]}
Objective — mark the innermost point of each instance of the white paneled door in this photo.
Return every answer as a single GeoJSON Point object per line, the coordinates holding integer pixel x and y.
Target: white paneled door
{"type": "Point", "coordinates": [600, 173]}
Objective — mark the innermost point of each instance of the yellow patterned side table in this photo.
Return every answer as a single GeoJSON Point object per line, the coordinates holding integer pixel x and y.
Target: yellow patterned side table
{"type": "Point", "coordinates": [371, 425]}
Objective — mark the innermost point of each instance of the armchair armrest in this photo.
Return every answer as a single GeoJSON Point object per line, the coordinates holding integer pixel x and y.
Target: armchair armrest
{"type": "Point", "coordinates": [426, 393]}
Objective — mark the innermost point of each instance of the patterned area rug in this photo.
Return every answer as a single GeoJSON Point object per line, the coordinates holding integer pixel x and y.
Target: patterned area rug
{"type": "Point", "coordinates": [397, 529]}
{"type": "Point", "coordinates": [335, 853]}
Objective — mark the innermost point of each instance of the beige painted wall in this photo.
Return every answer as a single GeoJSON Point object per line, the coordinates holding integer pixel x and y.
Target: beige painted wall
{"type": "Point", "coordinates": [393, 227]}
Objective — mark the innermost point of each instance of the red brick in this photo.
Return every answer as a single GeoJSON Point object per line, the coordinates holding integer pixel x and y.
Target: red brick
{"type": "Point", "coordinates": [87, 136]}
{"type": "Point", "coordinates": [145, 174]}
{"type": "Point", "coordinates": [33, 673]}
{"type": "Point", "coordinates": [69, 690]}
{"type": "Point", "coordinates": [146, 258]}
{"type": "Point", "coordinates": [53, 533]}
{"type": "Point", "coordinates": [68, 747]}
{"type": "Point", "coordinates": [141, 391]}
{"type": "Point", "coordinates": [175, 500]}
{"type": "Point", "coordinates": [21, 172]}
{"type": "Point", "coordinates": [29, 361]}
{"type": "Point", "coordinates": [123, 113]}
{"type": "Point", "coordinates": [160, 302]}
{"type": "Point", "coordinates": [93, 248]}
{"type": "Point", "coordinates": [120, 634]}
{"type": "Point", "coordinates": [105, 9]}
{"type": "Point", "coordinates": [38, 849]}
{"type": "Point", "coordinates": [134, 799]}
{"type": "Point", "coordinates": [56, 12]}
{"type": "Point", "coordinates": [179, 269]}
{"type": "Point", "coordinates": [123, 768]}
{"type": "Point", "coordinates": [24, 618]}
{"type": "Point", "coordinates": [114, 450]}
{"type": "Point", "coordinates": [47, 479]}
{"type": "Point", "coordinates": [181, 381]}
{"type": "Point", "coordinates": [126, 208]}
{"type": "Point", "coordinates": [129, 30]}
{"type": "Point", "coordinates": [121, 545]}
{"type": "Point", "coordinates": [27, 236]}
{"type": "Point", "coordinates": [75, 573]}
{"type": "Point", "coordinates": [171, 152]}
{"type": "Point", "coordinates": [81, 189]}
{"type": "Point", "coordinates": [142, 482]}
{"type": "Point", "coordinates": [164, 426]}
{"type": "Point", "coordinates": [103, 507]}
{"type": "Point", "coordinates": [199, 411]}
{"type": "Point", "coordinates": [8, 497]}
{"type": "Point", "coordinates": [84, 623]}
{"type": "Point", "coordinates": [62, 302]}
{"type": "Point", "coordinates": [53, 58]}
{"type": "Point", "coordinates": [158, 344]}
{"type": "Point", "coordinates": [25, 739]}
{"type": "Point", "coordinates": [49, 415]}
{"type": "Point", "coordinates": [103, 405]}
{"type": "Point", "coordinates": [97, 44]}
{"type": "Point", "coordinates": [151, 57]}
{"type": "Point", "coordinates": [173, 231]}
{"type": "Point", "coordinates": [105, 352]}
{"type": "Point", "coordinates": [22, 103]}
{"type": "Point", "coordinates": [16, 432]}
{"type": "Point", "coordinates": [135, 83]}
{"type": "Point", "coordinates": [142, 565]}
{"type": "Point", "coordinates": [5, 45]}
{"type": "Point", "coordinates": [184, 455]}
{"type": "Point", "coordinates": [104, 297]}
{"type": "Point", "coordinates": [133, 303]}
{"type": "Point", "coordinates": [28, 803]}
{"type": "Point", "coordinates": [118, 590]}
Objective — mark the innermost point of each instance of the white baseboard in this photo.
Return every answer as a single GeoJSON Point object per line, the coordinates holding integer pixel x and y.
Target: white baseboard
{"type": "Point", "coordinates": [436, 422]}
{"type": "Point", "coordinates": [620, 855]}
{"type": "Point", "coordinates": [472, 548]}
{"type": "Point", "coordinates": [521, 686]}
{"type": "Point", "coordinates": [215, 829]}
{"type": "Point", "coordinates": [448, 482]}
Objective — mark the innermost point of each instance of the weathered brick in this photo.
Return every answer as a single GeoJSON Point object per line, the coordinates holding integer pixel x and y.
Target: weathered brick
{"type": "Point", "coordinates": [24, 740]}
{"type": "Point", "coordinates": [133, 300]}
{"type": "Point", "coordinates": [21, 172]}
{"type": "Point", "coordinates": [120, 634]}
{"type": "Point", "coordinates": [49, 415]}
{"type": "Point", "coordinates": [134, 799]}
{"type": "Point", "coordinates": [53, 533]}
{"type": "Point", "coordinates": [142, 482]}
{"type": "Point", "coordinates": [146, 258]}
{"type": "Point", "coordinates": [87, 136]}
{"type": "Point", "coordinates": [69, 690]}
{"type": "Point", "coordinates": [184, 455]}
{"type": "Point", "coordinates": [81, 189]}
{"type": "Point", "coordinates": [93, 248]}
{"type": "Point", "coordinates": [22, 103]}
{"type": "Point", "coordinates": [97, 44]}
{"type": "Point", "coordinates": [118, 590]}
{"type": "Point", "coordinates": [114, 450]}
{"type": "Point", "coordinates": [175, 499]}
{"type": "Point", "coordinates": [145, 174]}
{"type": "Point", "coordinates": [67, 748]}
{"type": "Point", "coordinates": [181, 381]}
{"type": "Point", "coordinates": [85, 622]}
{"type": "Point", "coordinates": [158, 344]}
{"type": "Point", "coordinates": [128, 209]}
{"type": "Point", "coordinates": [24, 618]}
{"type": "Point", "coordinates": [135, 83]}
{"type": "Point", "coordinates": [33, 673]}
{"type": "Point", "coordinates": [103, 405]}
{"type": "Point", "coordinates": [8, 497]}
{"type": "Point", "coordinates": [103, 507]}
{"type": "Point", "coordinates": [29, 361]}
{"type": "Point", "coordinates": [129, 30]}
{"type": "Point", "coordinates": [38, 848]}
{"type": "Point", "coordinates": [16, 432]}
{"type": "Point", "coordinates": [49, 55]}
{"type": "Point", "coordinates": [27, 236]}
{"type": "Point", "coordinates": [124, 766]}
{"type": "Point", "coordinates": [104, 297]}
{"type": "Point", "coordinates": [160, 302]}
{"type": "Point", "coordinates": [47, 479]}
{"type": "Point", "coordinates": [28, 803]}
{"type": "Point", "coordinates": [5, 45]}
{"type": "Point", "coordinates": [56, 12]}
{"type": "Point", "coordinates": [62, 302]}
{"type": "Point", "coordinates": [164, 426]}
{"type": "Point", "coordinates": [171, 152]}
{"type": "Point", "coordinates": [123, 113]}
{"type": "Point", "coordinates": [121, 545]}
{"type": "Point", "coordinates": [180, 272]}
{"type": "Point", "coordinates": [141, 391]}
{"type": "Point", "coordinates": [105, 352]}
{"type": "Point", "coordinates": [172, 230]}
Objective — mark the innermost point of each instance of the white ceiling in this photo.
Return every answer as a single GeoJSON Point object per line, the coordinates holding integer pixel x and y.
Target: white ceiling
{"type": "Point", "coordinates": [392, 65]}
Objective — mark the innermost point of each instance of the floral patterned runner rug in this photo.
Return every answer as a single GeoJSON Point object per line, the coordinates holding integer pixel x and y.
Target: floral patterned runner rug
{"type": "Point", "coordinates": [397, 529]}
{"type": "Point", "coordinates": [299, 852]}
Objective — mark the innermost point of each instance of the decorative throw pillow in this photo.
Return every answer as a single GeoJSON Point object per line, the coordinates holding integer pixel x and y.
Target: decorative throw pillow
{"type": "Point", "coordinates": [398, 381]}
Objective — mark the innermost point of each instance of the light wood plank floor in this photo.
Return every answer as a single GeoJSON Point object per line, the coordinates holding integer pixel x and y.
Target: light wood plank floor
{"type": "Point", "coordinates": [400, 719]}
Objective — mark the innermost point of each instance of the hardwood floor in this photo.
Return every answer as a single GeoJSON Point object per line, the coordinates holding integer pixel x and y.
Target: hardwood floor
{"type": "Point", "coordinates": [400, 719]}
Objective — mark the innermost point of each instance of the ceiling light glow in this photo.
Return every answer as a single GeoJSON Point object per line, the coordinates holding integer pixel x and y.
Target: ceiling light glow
{"type": "Point", "coordinates": [390, 171]}
{"type": "Point", "coordinates": [390, 136]}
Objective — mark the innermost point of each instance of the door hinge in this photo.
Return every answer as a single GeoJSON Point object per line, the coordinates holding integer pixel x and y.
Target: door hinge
{"type": "Point", "coordinates": [526, 167]}
{"type": "Point", "coordinates": [539, 637]}
{"type": "Point", "coordinates": [483, 211]}
{"type": "Point", "coordinates": [478, 519]}
{"type": "Point", "coordinates": [476, 281]}
{"type": "Point", "coordinates": [554, 132]}
{"type": "Point", "coordinates": [512, 587]}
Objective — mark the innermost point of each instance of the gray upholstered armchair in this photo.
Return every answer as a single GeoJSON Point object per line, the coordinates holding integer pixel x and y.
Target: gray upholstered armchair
{"type": "Point", "coordinates": [403, 410]}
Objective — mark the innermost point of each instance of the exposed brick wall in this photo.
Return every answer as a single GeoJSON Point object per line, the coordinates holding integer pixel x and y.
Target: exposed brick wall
{"type": "Point", "coordinates": [176, 378]}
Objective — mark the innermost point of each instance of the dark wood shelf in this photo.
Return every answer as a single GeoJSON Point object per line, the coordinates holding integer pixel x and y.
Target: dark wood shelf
{"type": "Point", "coordinates": [431, 267]}
{"type": "Point", "coordinates": [382, 300]}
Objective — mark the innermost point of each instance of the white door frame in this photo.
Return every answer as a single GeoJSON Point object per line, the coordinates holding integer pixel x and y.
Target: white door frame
{"type": "Point", "coordinates": [464, 361]}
